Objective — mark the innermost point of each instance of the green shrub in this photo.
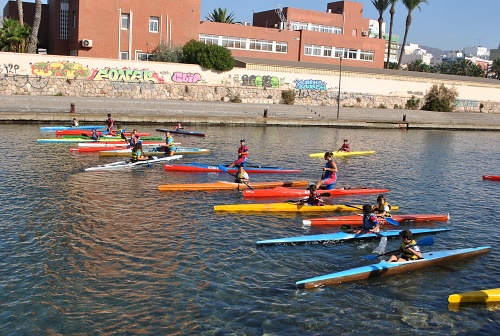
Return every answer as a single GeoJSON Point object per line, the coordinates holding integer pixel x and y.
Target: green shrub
{"type": "Point", "coordinates": [439, 98]}
{"type": "Point", "coordinates": [413, 103]}
{"type": "Point", "coordinates": [212, 57]}
{"type": "Point", "coordinates": [382, 106]}
{"type": "Point", "coordinates": [167, 53]}
{"type": "Point", "coordinates": [236, 99]}
{"type": "Point", "coordinates": [288, 97]}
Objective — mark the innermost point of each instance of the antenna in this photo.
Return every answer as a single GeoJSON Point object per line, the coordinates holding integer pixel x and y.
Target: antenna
{"type": "Point", "coordinates": [280, 13]}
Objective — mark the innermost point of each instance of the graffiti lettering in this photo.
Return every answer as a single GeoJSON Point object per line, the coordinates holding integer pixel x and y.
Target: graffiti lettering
{"type": "Point", "coordinates": [59, 69]}
{"type": "Point", "coordinates": [120, 86]}
{"type": "Point", "coordinates": [182, 77]}
{"type": "Point", "coordinates": [260, 81]}
{"type": "Point", "coordinates": [310, 84]}
{"type": "Point", "coordinates": [466, 103]}
{"type": "Point", "coordinates": [10, 68]}
{"type": "Point", "coordinates": [127, 75]}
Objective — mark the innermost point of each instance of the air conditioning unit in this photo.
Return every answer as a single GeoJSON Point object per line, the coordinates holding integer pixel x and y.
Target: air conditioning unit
{"type": "Point", "coordinates": [87, 43]}
{"type": "Point", "coordinates": [364, 33]}
{"type": "Point", "coordinates": [247, 24]}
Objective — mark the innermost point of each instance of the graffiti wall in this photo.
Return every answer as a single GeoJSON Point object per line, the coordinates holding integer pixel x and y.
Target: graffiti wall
{"type": "Point", "coordinates": [48, 74]}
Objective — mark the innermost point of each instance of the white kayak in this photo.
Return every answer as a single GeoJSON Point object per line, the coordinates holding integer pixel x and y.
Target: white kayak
{"type": "Point", "coordinates": [128, 164]}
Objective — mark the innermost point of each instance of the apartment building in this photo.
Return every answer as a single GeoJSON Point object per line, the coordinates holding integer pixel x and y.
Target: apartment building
{"type": "Point", "coordinates": [131, 30]}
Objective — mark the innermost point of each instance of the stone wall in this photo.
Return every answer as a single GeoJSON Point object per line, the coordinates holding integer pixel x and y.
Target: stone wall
{"type": "Point", "coordinates": [28, 74]}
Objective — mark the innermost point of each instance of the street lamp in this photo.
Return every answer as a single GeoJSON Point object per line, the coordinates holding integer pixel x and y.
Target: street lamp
{"type": "Point", "coordinates": [340, 81]}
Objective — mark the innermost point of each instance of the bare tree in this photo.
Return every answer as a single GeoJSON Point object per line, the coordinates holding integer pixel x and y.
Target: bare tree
{"type": "Point", "coordinates": [20, 11]}
{"type": "Point", "coordinates": [36, 25]}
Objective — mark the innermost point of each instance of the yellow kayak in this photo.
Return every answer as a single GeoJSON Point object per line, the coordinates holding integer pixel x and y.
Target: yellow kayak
{"type": "Point", "coordinates": [222, 185]}
{"type": "Point", "coordinates": [289, 207]}
{"type": "Point", "coordinates": [341, 154]}
{"type": "Point", "coordinates": [485, 295]}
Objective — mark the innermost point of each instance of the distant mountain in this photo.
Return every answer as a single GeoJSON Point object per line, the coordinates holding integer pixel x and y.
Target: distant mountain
{"type": "Point", "coordinates": [434, 51]}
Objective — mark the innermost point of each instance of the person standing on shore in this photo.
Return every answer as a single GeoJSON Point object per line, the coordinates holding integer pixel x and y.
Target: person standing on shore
{"type": "Point", "coordinates": [109, 123]}
{"type": "Point", "coordinates": [242, 155]}
{"type": "Point", "coordinates": [329, 177]}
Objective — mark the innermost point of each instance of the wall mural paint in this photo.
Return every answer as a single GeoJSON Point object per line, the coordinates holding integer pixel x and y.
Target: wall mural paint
{"type": "Point", "coordinates": [466, 103]}
{"type": "Point", "coordinates": [127, 75]}
{"type": "Point", "coordinates": [260, 81]}
{"type": "Point", "coordinates": [59, 69]}
{"type": "Point", "coordinates": [183, 77]}
{"type": "Point", "coordinates": [310, 84]}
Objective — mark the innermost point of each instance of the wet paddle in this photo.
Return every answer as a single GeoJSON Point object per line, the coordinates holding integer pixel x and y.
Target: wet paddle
{"type": "Point", "coordinates": [391, 221]}
{"type": "Point", "coordinates": [426, 241]}
{"type": "Point", "coordinates": [224, 169]}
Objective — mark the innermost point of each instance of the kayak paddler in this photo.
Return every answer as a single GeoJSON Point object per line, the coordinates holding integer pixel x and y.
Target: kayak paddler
{"type": "Point", "coordinates": [345, 146]}
{"type": "Point", "coordinates": [138, 153]}
{"type": "Point", "coordinates": [370, 221]}
{"type": "Point", "coordinates": [329, 177]}
{"type": "Point", "coordinates": [241, 175]}
{"type": "Point", "coordinates": [383, 208]}
{"type": "Point", "coordinates": [242, 155]}
{"type": "Point", "coordinates": [409, 249]}
{"type": "Point", "coordinates": [94, 136]}
{"type": "Point", "coordinates": [170, 145]}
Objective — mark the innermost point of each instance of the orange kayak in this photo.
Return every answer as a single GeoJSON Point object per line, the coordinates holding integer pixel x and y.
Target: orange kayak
{"type": "Point", "coordinates": [358, 219]}
{"type": "Point", "coordinates": [222, 185]}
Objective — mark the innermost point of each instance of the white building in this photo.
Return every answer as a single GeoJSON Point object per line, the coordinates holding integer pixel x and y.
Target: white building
{"type": "Point", "coordinates": [480, 52]}
{"type": "Point", "coordinates": [414, 52]}
{"type": "Point", "coordinates": [373, 33]}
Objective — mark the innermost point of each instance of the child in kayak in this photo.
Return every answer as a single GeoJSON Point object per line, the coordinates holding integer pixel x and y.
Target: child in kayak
{"type": "Point", "coordinates": [170, 145]}
{"type": "Point", "coordinates": [383, 208]}
{"type": "Point", "coordinates": [329, 177]}
{"type": "Point", "coordinates": [345, 146]}
{"type": "Point", "coordinates": [314, 197]}
{"type": "Point", "coordinates": [241, 175]}
{"type": "Point", "coordinates": [94, 136]}
{"type": "Point", "coordinates": [138, 153]}
{"type": "Point", "coordinates": [370, 221]}
{"type": "Point", "coordinates": [134, 138]}
{"type": "Point", "coordinates": [408, 250]}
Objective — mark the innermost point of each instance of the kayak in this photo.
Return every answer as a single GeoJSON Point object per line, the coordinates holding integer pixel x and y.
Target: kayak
{"type": "Point", "coordinates": [122, 144]}
{"type": "Point", "coordinates": [180, 131]}
{"type": "Point", "coordinates": [288, 207]}
{"type": "Point", "coordinates": [89, 133]}
{"type": "Point", "coordinates": [74, 140]}
{"type": "Point", "coordinates": [222, 185]}
{"type": "Point", "coordinates": [290, 192]}
{"type": "Point", "coordinates": [106, 136]}
{"type": "Point", "coordinates": [481, 296]}
{"type": "Point", "coordinates": [128, 164]}
{"type": "Point", "coordinates": [336, 237]}
{"type": "Point", "coordinates": [341, 154]}
{"type": "Point", "coordinates": [358, 219]}
{"type": "Point", "coordinates": [491, 177]}
{"type": "Point", "coordinates": [384, 268]}
{"type": "Point", "coordinates": [57, 128]}
{"type": "Point", "coordinates": [199, 167]}
{"type": "Point", "coordinates": [151, 152]}
{"type": "Point", "coordinates": [98, 147]}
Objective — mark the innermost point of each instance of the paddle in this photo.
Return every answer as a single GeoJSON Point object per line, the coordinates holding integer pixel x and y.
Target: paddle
{"type": "Point", "coordinates": [426, 241]}
{"type": "Point", "coordinates": [391, 221]}
{"type": "Point", "coordinates": [224, 169]}
{"type": "Point", "coordinates": [352, 206]}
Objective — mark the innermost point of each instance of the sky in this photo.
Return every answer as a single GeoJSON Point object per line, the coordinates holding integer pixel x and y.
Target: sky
{"type": "Point", "coordinates": [443, 24]}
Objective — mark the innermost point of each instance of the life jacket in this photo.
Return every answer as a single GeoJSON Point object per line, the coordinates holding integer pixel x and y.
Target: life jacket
{"type": "Point", "coordinates": [380, 208]}
{"type": "Point", "coordinates": [240, 176]}
{"type": "Point", "coordinates": [314, 199]}
{"type": "Point", "coordinates": [170, 142]}
{"type": "Point", "coordinates": [405, 254]}
{"type": "Point", "coordinates": [135, 155]}
{"type": "Point", "coordinates": [94, 136]}
{"type": "Point", "coordinates": [369, 221]}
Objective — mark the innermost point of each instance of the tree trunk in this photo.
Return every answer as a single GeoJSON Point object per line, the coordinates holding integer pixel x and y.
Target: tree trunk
{"type": "Point", "coordinates": [20, 11]}
{"type": "Point", "coordinates": [392, 11]}
{"type": "Point", "coordinates": [408, 24]}
{"type": "Point", "coordinates": [34, 30]}
{"type": "Point", "coordinates": [380, 22]}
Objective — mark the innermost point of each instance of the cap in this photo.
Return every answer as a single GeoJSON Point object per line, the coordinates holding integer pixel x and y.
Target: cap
{"type": "Point", "coordinates": [242, 140]}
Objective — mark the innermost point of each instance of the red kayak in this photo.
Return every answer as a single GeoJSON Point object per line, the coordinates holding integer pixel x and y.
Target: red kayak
{"type": "Point", "coordinates": [358, 219]}
{"type": "Point", "coordinates": [491, 177]}
{"type": "Point", "coordinates": [112, 146]}
{"type": "Point", "coordinates": [291, 192]}
{"type": "Point", "coordinates": [200, 168]}
{"type": "Point", "coordinates": [89, 133]}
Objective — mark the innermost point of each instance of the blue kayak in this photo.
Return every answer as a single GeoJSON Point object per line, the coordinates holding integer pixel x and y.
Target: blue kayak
{"type": "Point", "coordinates": [180, 131]}
{"type": "Point", "coordinates": [200, 167]}
{"type": "Point", "coordinates": [60, 128]}
{"type": "Point", "coordinates": [340, 237]}
{"type": "Point", "coordinates": [384, 268]}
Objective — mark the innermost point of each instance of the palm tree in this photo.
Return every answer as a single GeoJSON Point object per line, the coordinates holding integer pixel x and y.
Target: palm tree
{"type": "Point", "coordinates": [410, 5]}
{"type": "Point", "coordinates": [36, 25]}
{"type": "Point", "coordinates": [20, 11]}
{"type": "Point", "coordinates": [220, 15]}
{"type": "Point", "coordinates": [392, 12]}
{"type": "Point", "coordinates": [14, 36]}
{"type": "Point", "coordinates": [495, 69]}
{"type": "Point", "coordinates": [380, 6]}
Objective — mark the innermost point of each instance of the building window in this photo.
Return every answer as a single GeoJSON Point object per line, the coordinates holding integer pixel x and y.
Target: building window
{"type": "Point", "coordinates": [327, 51]}
{"type": "Point", "coordinates": [261, 45]}
{"type": "Point", "coordinates": [366, 55]}
{"type": "Point", "coordinates": [124, 55]}
{"type": "Point", "coordinates": [142, 56]}
{"type": "Point", "coordinates": [281, 47]}
{"type": "Point", "coordinates": [73, 52]}
{"type": "Point", "coordinates": [125, 19]}
{"type": "Point", "coordinates": [74, 19]}
{"type": "Point", "coordinates": [64, 18]}
{"type": "Point", "coordinates": [153, 24]}
{"type": "Point", "coordinates": [233, 42]}
{"type": "Point", "coordinates": [209, 39]}
{"type": "Point", "coordinates": [351, 54]}
{"type": "Point", "coordinates": [339, 52]}
{"type": "Point", "coordinates": [315, 27]}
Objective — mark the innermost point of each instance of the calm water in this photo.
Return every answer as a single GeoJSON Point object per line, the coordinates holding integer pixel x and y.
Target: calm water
{"type": "Point", "coordinates": [107, 253]}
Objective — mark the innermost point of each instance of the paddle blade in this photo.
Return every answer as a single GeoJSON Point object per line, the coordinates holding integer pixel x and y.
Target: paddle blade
{"type": "Point", "coordinates": [391, 221]}
{"type": "Point", "coordinates": [224, 169]}
{"type": "Point", "coordinates": [371, 257]}
{"type": "Point", "coordinates": [426, 241]}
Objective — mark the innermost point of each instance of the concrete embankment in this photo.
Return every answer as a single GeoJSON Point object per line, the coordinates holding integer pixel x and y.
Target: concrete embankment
{"type": "Point", "coordinates": [57, 109]}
